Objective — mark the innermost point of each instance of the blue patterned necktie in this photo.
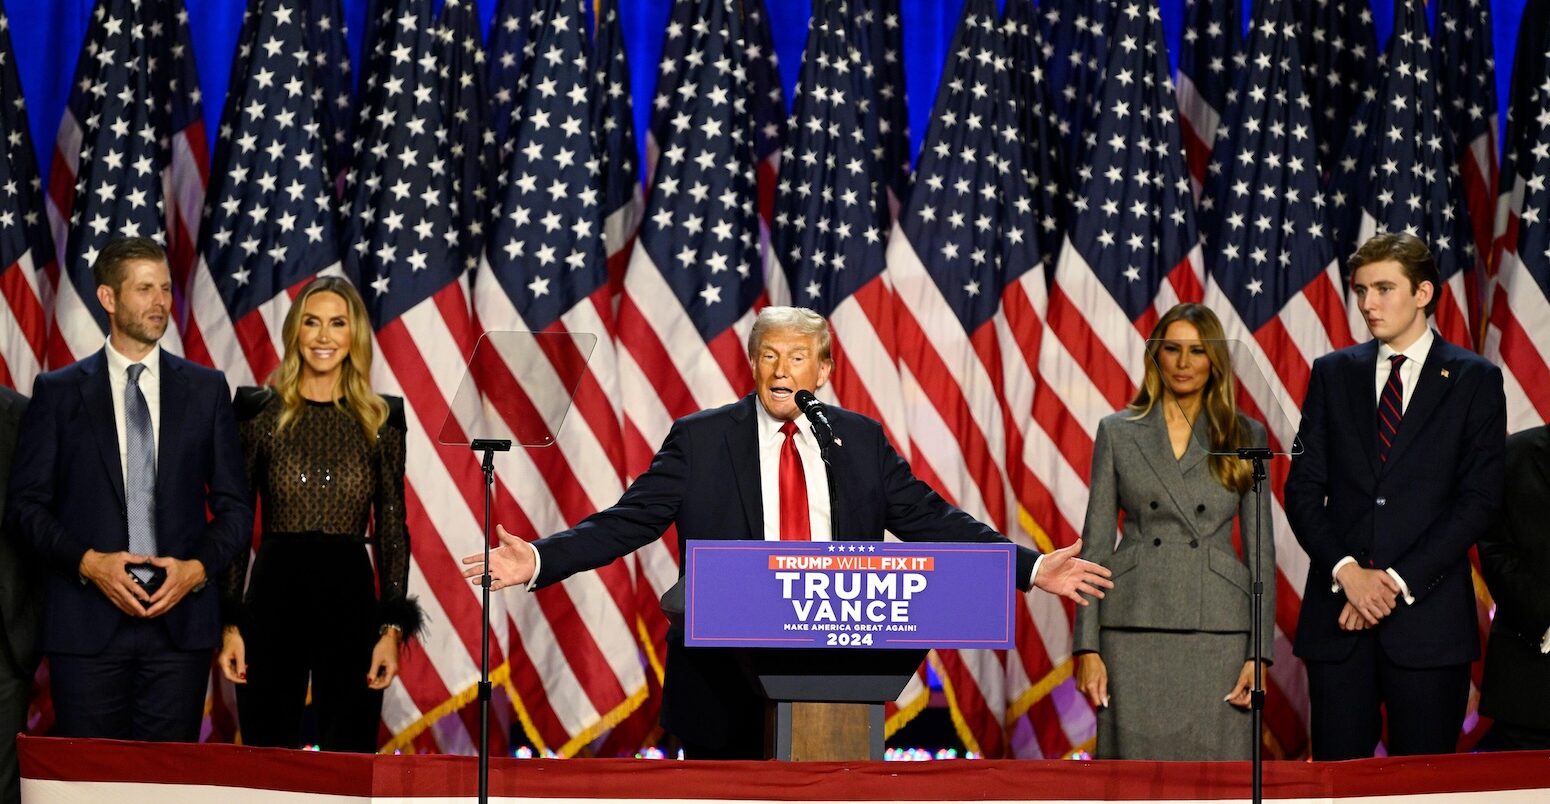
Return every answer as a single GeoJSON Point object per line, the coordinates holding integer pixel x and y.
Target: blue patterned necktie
{"type": "Point", "coordinates": [140, 471]}
{"type": "Point", "coordinates": [1391, 408]}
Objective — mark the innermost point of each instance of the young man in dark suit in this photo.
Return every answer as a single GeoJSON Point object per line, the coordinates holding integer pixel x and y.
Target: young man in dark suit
{"type": "Point", "coordinates": [1515, 558]}
{"type": "Point", "coordinates": [1401, 473]}
{"type": "Point", "coordinates": [751, 470]}
{"type": "Point", "coordinates": [125, 451]}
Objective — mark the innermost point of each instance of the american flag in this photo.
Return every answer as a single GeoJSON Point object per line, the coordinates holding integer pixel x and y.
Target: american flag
{"type": "Point", "coordinates": [332, 84]}
{"type": "Point", "coordinates": [26, 250]}
{"type": "Point", "coordinates": [1208, 61]}
{"type": "Point", "coordinates": [508, 52]}
{"type": "Point", "coordinates": [1040, 133]}
{"type": "Point", "coordinates": [1520, 298]}
{"type": "Point", "coordinates": [831, 221]}
{"type": "Point", "coordinates": [270, 225]}
{"type": "Point", "coordinates": [401, 244]}
{"type": "Point", "coordinates": [965, 264]}
{"type": "Point", "coordinates": [613, 118]}
{"type": "Point", "coordinates": [130, 159]}
{"type": "Point", "coordinates": [694, 275]}
{"type": "Point", "coordinates": [1397, 172]}
{"type": "Point", "coordinates": [769, 135]}
{"type": "Point", "coordinates": [1468, 95]}
{"type": "Point", "coordinates": [576, 666]}
{"type": "Point", "coordinates": [462, 61]}
{"type": "Point", "coordinates": [1340, 62]}
{"type": "Point", "coordinates": [1273, 277]}
{"type": "Point", "coordinates": [883, 45]}
{"type": "Point", "coordinates": [1075, 39]}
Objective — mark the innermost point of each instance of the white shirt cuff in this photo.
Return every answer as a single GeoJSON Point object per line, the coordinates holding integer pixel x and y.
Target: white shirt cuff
{"type": "Point", "coordinates": [1544, 642]}
{"type": "Point", "coordinates": [1404, 588]}
{"type": "Point", "coordinates": [1334, 585]}
{"type": "Point", "coordinates": [538, 566]}
{"type": "Point", "coordinates": [1037, 562]}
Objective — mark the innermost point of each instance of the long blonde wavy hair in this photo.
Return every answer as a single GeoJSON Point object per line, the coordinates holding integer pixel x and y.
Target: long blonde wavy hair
{"type": "Point", "coordinates": [1225, 426]}
{"type": "Point", "coordinates": [356, 397]}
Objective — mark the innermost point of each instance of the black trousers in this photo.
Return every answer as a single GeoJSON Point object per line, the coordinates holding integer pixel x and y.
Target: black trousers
{"type": "Point", "coordinates": [311, 618]}
{"type": "Point", "coordinates": [1425, 706]}
{"type": "Point", "coordinates": [140, 687]}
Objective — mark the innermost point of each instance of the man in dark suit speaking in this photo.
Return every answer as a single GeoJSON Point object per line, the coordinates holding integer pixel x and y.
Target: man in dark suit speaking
{"type": "Point", "coordinates": [1401, 473]}
{"type": "Point", "coordinates": [123, 453]}
{"type": "Point", "coordinates": [752, 470]}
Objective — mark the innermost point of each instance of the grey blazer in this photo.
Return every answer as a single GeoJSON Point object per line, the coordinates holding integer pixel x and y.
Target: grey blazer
{"type": "Point", "coordinates": [1175, 568]}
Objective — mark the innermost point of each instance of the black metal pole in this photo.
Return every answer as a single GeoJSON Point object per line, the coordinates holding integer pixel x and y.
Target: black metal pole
{"type": "Point", "coordinates": [489, 447]}
{"type": "Point", "coordinates": [1258, 455]}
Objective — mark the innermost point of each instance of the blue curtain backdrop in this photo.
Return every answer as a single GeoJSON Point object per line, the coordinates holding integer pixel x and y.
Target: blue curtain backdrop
{"type": "Point", "coordinates": [47, 35]}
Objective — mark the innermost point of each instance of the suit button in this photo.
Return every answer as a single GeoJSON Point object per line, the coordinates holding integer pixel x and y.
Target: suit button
{"type": "Point", "coordinates": [1194, 542]}
{"type": "Point", "coordinates": [1382, 501]}
{"type": "Point", "coordinates": [1200, 509]}
{"type": "Point", "coordinates": [1157, 542]}
{"type": "Point", "coordinates": [1154, 505]}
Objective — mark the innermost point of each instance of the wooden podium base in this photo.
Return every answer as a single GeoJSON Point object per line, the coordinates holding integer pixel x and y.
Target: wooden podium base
{"type": "Point", "coordinates": [828, 732]}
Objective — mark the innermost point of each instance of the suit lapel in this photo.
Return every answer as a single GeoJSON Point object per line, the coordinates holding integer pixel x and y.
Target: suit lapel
{"type": "Point", "coordinates": [1360, 375]}
{"type": "Point", "coordinates": [1151, 437]}
{"type": "Point", "coordinates": [743, 450]}
{"type": "Point", "coordinates": [1433, 384]}
{"type": "Point", "coordinates": [97, 399]}
{"type": "Point", "coordinates": [174, 404]}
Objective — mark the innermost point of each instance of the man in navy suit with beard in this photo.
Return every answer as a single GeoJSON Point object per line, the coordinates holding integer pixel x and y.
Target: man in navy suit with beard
{"type": "Point", "coordinates": [123, 453]}
{"type": "Point", "coordinates": [1401, 473]}
{"type": "Point", "coordinates": [752, 470]}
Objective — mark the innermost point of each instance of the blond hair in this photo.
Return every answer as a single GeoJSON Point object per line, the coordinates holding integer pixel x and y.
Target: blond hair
{"type": "Point", "coordinates": [365, 405]}
{"type": "Point", "coordinates": [800, 320]}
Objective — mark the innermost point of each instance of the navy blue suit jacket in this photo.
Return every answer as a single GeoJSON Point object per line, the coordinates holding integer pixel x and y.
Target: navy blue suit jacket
{"type": "Point", "coordinates": [67, 495]}
{"type": "Point", "coordinates": [1418, 513]}
{"type": "Point", "coordinates": [705, 479]}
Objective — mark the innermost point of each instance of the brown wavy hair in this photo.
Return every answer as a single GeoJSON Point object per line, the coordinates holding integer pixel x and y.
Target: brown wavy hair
{"type": "Point", "coordinates": [1225, 426]}
{"type": "Point", "coordinates": [357, 398]}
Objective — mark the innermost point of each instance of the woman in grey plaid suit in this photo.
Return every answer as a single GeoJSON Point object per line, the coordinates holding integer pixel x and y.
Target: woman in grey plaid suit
{"type": "Point", "coordinates": [1165, 657]}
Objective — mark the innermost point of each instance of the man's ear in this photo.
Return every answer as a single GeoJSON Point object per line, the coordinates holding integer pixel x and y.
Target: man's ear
{"type": "Point", "coordinates": [825, 367]}
{"type": "Point", "coordinates": [1424, 292]}
{"type": "Point", "coordinates": [107, 298]}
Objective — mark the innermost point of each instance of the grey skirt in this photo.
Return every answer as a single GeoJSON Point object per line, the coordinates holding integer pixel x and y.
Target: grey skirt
{"type": "Point", "coordinates": [1165, 696]}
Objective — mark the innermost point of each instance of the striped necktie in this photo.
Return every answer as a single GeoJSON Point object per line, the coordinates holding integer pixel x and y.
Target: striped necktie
{"type": "Point", "coordinates": [1391, 408]}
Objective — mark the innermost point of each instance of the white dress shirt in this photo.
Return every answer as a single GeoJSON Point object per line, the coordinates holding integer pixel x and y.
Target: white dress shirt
{"type": "Point", "coordinates": [1409, 376]}
{"type": "Point", "coordinates": [150, 388]}
{"type": "Point", "coordinates": [771, 440]}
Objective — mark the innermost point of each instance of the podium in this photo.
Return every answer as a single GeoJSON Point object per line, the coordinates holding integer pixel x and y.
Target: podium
{"type": "Point", "coordinates": [830, 631]}
{"type": "Point", "coordinates": [828, 704]}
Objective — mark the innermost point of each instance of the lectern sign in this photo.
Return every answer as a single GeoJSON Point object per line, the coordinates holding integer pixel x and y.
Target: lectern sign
{"type": "Point", "coordinates": [849, 594]}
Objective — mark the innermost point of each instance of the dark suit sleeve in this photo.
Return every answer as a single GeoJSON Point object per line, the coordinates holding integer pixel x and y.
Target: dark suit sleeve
{"type": "Point", "coordinates": [1307, 485]}
{"type": "Point", "coordinates": [640, 516]}
{"type": "Point", "coordinates": [33, 489]}
{"type": "Point", "coordinates": [1507, 547]}
{"type": "Point", "coordinates": [226, 492]}
{"type": "Point", "coordinates": [1479, 475]}
{"type": "Point", "coordinates": [917, 513]}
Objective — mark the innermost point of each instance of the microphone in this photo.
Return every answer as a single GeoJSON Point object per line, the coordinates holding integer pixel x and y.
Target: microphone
{"type": "Point", "coordinates": [818, 415]}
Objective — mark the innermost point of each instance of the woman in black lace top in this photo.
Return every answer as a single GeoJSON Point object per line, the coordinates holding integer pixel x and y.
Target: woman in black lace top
{"type": "Point", "coordinates": [325, 455]}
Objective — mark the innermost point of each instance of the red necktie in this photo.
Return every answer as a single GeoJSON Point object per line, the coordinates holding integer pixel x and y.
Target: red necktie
{"type": "Point", "coordinates": [794, 524]}
{"type": "Point", "coordinates": [1391, 408]}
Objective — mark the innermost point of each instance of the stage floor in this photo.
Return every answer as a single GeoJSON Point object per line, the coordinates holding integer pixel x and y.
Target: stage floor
{"type": "Point", "coordinates": [55, 771]}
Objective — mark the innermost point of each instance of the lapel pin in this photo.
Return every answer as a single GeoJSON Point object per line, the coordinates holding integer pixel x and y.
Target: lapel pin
{"type": "Point", "coordinates": [1445, 374]}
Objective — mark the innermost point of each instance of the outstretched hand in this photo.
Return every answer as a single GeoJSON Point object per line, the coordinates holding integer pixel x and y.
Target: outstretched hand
{"type": "Point", "coordinates": [510, 564]}
{"type": "Point", "coordinates": [1064, 573]}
